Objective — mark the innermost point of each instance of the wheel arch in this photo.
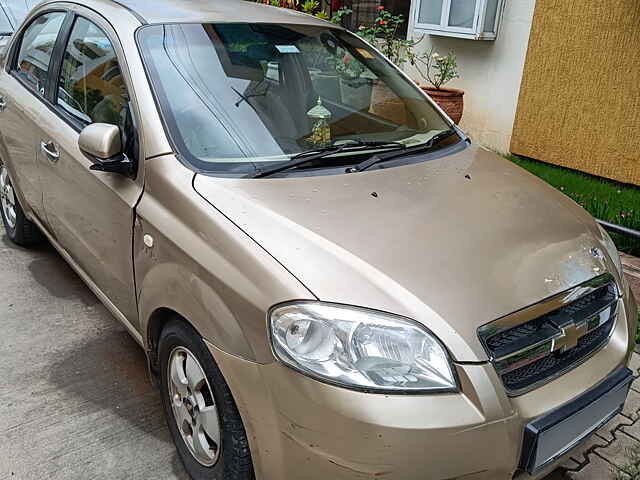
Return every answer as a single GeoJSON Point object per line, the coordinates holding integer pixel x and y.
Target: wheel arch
{"type": "Point", "coordinates": [158, 319]}
{"type": "Point", "coordinates": [173, 291]}
{"type": "Point", "coordinates": [156, 323]}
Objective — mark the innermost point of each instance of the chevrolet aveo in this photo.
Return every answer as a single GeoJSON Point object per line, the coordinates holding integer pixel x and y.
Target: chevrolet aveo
{"type": "Point", "coordinates": [329, 280]}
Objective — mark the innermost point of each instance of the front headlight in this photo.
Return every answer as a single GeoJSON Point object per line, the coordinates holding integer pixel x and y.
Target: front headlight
{"type": "Point", "coordinates": [612, 250]}
{"type": "Point", "coordinates": [360, 348]}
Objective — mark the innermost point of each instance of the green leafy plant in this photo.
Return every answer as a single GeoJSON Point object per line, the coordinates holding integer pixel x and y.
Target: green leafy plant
{"type": "Point", "coordinates": [339, 15]}
{"type": "Point", "coordinates": [310, 7]}
{"type": "Point", "coordinates": [323, 15]}
{"type": "Point", "coordinates": [384, 35]}
{"type": "Point", "coordinates": [436, 69]}
{"type": "Point", "coordinates": [280, 3]}
{"type": "Point", "coordinates": [349, 68]}
{"type": "Point", "coordinates": [631, 470]}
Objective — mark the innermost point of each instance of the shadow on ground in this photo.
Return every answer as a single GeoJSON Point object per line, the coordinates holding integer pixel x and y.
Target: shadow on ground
{"type": "Point", "coordinates": [109, 373]}
{"type": "Point", "coordinates": [88, 398]}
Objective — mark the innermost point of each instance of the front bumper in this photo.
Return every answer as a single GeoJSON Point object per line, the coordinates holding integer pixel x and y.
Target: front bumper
{"type": "Point", "coordinates": [549, 437]}
{"type": "Point", "coordinates": [299, 428]}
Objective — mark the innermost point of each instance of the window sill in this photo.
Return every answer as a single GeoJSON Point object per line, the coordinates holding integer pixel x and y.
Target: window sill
{"type": "Point", "coordinates": [466, 36]}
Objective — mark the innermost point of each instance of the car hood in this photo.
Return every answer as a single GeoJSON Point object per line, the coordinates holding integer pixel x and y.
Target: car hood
{"type": "Point", "coordinates": [453, 243]}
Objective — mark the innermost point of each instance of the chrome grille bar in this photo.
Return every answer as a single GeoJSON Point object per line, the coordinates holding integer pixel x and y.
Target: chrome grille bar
{"type": "Point", "coordinates": [535, 339]}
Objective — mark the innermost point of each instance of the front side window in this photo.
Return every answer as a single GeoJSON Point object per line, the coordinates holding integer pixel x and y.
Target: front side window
{"type": "Point", "coordinates": [238, 95]}
{"type": "Point", "coordinates": [36, 50]}
{"type": "Point", "coordinates": [17, 10]}
{"type": "Point", "coordinates": [91, 88]}
{"type": "Point", "coordinates": [6, 28]}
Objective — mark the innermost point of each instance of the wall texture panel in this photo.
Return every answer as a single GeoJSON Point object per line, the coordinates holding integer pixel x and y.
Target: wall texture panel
{"type": "Point", "coordinates": [579, 103]}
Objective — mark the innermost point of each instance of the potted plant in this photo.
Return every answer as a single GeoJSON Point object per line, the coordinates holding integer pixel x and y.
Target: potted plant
{"type": "Point", "coordinates": [333, 77]}
{"type": "Point", "coordinates": [384, 35]}
{"type": "Point", "coordinates": [355, 87]}
{"type": "Point", "coordinates": [439, 70]}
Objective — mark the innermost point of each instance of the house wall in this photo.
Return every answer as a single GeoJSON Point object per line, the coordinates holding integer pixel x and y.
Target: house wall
{"type": "Point", "coordinates": [490, 73]}
{"type": "Point", "coordinates": [580, 100]}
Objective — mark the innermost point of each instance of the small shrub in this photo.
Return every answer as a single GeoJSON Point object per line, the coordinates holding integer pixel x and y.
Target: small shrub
{"type": "Point", "coordinates": [384, 35]}
{"type": "Point", "coordinates": [310, 7]}
{"type": "Point", "coordinates": [340, 14]}
{"type": "Point", "coordinates": [436, 69]}
{"type": "Point", "coordinates": [631, 470]}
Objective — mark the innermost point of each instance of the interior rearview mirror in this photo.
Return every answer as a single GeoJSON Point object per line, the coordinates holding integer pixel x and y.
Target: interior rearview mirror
{"type": "Point", "coordinates": [102, 144]}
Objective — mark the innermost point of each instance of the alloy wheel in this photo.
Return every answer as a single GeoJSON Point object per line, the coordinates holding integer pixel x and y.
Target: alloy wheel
{"type": "Point", "coordinates": [194, 408]}
{"type": "Point", "coordinates": [7, 198]}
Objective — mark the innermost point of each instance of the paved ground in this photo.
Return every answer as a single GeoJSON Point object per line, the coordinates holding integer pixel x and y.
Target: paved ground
{"type": "Point", "coordinates": [75, 402]}
{"type": "Point", "coordinates": [610, 451]}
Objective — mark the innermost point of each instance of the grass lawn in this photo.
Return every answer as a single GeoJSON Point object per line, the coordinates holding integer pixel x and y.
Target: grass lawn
{"type": "Point", "coordinates": [604, 199]}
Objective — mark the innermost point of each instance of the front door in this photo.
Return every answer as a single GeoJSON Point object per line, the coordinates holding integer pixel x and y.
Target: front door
{"type": "Point", "coordinates": [91, 213]}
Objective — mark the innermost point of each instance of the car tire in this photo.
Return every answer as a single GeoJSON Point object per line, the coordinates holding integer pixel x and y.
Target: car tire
{"type": "Point", "coordinates": [19, 228]}
{"type": "Point", "coordinates": [181, 350]}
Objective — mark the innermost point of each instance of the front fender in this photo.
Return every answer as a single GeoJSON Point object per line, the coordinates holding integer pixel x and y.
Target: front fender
{"type": "Point", "coordinates": [172, 287]}
{"type": "Point", "coordinates": [203, 267]}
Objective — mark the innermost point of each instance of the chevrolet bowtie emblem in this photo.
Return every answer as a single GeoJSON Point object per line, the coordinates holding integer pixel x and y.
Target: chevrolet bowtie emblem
{"type": "Point", "coordinates": [569, 337]}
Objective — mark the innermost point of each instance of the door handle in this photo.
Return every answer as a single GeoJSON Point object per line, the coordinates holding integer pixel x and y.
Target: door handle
{"type": "Point", "coordinates": [3, 103]}
{"type": "Point", "coordinates": [50, 151]}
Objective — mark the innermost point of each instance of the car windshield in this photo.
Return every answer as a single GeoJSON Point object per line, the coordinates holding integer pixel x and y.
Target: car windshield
{"type": "Point", "coordinates": [237, 96]}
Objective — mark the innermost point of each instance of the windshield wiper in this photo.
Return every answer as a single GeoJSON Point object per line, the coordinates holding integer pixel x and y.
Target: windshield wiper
{"type": "Point", "coordinates": [299, 160]}
{"type": "Point", "coordinates": [352, 142]}
{"type": "Point", "coordinates": [312, 155]}
{"type": "Point", "coordinates": [385, 157]}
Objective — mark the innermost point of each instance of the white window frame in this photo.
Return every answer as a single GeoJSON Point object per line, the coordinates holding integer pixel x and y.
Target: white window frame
{"type": "Point", "coordinates": [474, 33]}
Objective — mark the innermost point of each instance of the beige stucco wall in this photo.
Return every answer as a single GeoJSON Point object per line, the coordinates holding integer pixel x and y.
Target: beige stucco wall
{"type": "Point", "coordinates": [580, 99]}
{"type": "Point", "coordinates": [490, 71]}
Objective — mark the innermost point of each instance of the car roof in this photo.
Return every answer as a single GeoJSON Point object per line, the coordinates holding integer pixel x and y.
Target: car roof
{"type": "Point", "coordinates": [204, 11]}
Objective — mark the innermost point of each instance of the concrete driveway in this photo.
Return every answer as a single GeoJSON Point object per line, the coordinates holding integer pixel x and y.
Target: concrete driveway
{"type": "Point", "coordinates": [75, 401]}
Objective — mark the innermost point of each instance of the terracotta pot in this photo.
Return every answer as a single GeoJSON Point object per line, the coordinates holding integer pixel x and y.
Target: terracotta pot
{"type": "Point", "coordinates": [356, 93]}
{"type": "Point", "coordinates": [386, 104]}
{"type": "Point", "coordinates": [450, 100]}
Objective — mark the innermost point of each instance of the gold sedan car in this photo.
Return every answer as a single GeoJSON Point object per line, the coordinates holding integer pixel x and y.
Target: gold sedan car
{"type": "Point", "coordinates": [330, 281]}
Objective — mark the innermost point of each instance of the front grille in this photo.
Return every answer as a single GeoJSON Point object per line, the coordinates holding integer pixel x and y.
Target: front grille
{"type": "Point", "coordinates": [577, 323]}
{"type": "Point", "coordinates": [555, 363]}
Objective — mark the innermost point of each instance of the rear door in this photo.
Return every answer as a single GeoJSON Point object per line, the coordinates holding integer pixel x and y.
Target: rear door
{"type": "Point", "coordinates": [23, 92]}
{"type": "Point", "coordinates": [91, 213]}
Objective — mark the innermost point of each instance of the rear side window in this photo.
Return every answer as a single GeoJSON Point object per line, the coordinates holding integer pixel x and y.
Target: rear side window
{"type": "Point", "coordinates": [36, 49]}
{"type": "Point", "coordinates": [91, 86]}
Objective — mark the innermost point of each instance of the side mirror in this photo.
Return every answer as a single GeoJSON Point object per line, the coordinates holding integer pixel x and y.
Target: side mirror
{"type": "Point", "coordinates": [102, 144]}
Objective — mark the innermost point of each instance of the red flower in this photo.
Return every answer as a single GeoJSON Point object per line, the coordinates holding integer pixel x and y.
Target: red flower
{"type": "Point", "coordinates": [346, 59]}
{"type": "Point", "coordinates": [383, 22]}
{"type": "Point", "coordinates": [380, 8]}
